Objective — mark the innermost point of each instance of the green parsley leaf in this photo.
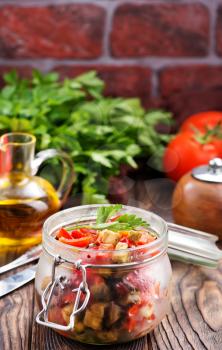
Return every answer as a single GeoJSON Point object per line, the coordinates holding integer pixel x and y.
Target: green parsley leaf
{"type": "Point", "coordinates": [132, 220]}
{"type": "Point", "coordinates": [124, 222]}
{"type": "Point", "coordinates": [106, 212]}
{"type": "Point", "coordinates": [99, 133]}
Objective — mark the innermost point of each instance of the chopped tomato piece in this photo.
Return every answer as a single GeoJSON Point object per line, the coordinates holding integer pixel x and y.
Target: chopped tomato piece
{"type": "Point", "coordinates": [131, 324]}
{"type": "Point", "coordinates": [144, 239]}
{"type": "Point", "coordinates": [88, 231]}
{"type": "Point", "coordinates": [128, 241]}
{"type": "Point", "coordinates": [78, 242]}
{"type": "Point", "coordinates": [133, 310]}
{"type": "Point", "coordinates": [125, 240]}
{"type": "Point", "coordinates": [152, 317]}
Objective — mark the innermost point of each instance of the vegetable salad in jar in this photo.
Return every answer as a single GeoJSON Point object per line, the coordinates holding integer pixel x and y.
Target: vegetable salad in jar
{"type": "Point", "coordinates": [104, 275]}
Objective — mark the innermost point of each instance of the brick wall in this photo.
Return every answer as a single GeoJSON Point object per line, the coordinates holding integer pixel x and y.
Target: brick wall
{"type": "Point", "coordinates": [169, 53]}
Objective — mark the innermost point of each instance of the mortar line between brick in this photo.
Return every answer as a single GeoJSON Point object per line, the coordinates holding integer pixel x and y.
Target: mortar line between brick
{"type": "Point", "coordinates": [154, 84]}
{"type": "Point", "coordinates": [212, 7]}
{"type": "Point", "coordinates": [104, 3]}
{"type": "Point", "coordinates": [152, 62]}
{"type": "Point", "coordinates": [110, 8]}
{"type": "Point", "coordinates": [24, 3]}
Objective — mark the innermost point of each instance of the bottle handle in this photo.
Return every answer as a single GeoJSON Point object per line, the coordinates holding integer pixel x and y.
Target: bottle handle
{"type": "Point", "coordinates": [68, 174]}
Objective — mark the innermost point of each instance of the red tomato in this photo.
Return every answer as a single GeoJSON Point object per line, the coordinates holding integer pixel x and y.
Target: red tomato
{"type": "Point", "coordinates": [78, 242]}
{"type": "Point", "coordinates": [185, 153]}
{"type": "Point", "coordinates": [218, 144]}
{"type": "Point", "coordinates": [202, 120]}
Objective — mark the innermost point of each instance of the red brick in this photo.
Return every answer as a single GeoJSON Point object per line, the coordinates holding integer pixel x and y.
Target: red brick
{"type": "Point", "coordinates": [63, 31]}
{"type": "Point", "coordinates": [184, 104]}
{"type": "Point", "coordinates": [191, 89]}
{"type": "Point", "coordinates": [160, 30]}
{"type": "Point", "coordinates": [126, 81]}
{"type": "Point", "coordinates": [219, 31]}
{"type": "Point", "coordinates": [190, 79]}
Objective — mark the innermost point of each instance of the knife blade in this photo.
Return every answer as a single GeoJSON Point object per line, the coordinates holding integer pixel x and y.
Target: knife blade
{"type": "Point", "coordinates": [17, 280]}
{"type": "Point", "coordinates": [29, 256]}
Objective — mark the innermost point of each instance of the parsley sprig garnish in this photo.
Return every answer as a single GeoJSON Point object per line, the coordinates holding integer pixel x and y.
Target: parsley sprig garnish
{"type": "Point", "coordinates": [104, 213]}
{"type": "Point", "coordinates": [124, 222]}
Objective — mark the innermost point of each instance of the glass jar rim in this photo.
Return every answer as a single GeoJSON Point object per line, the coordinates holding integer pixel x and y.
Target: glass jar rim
{"type": "Point", "coordinates": [159, 244]}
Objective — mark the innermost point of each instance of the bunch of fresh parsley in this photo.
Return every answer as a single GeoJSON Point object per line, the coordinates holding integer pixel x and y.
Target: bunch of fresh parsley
{"type": "Point", "coordinates": [99, 133]}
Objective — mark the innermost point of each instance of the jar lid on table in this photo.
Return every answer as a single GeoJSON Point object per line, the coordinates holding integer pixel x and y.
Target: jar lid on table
{"type": "Point", "coordinates": [209, 173]}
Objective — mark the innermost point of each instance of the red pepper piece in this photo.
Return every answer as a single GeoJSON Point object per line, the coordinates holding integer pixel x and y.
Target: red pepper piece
{"type": "Point", "coordinates": [63, 233]}
{"type": "Point", "coordinates": [84, 232]}
{"type": "Point", "coordinates": [79, 242]}
{"type": "Point", "coordinates": [77, 234]}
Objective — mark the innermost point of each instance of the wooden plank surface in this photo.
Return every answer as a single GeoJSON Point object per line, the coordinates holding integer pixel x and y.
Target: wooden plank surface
{"type": "Point", "coordinates": [194, 320]}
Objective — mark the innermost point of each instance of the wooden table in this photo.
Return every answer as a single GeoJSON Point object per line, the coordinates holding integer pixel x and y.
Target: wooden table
{"type": "Point", "coordinates": [194, 320]}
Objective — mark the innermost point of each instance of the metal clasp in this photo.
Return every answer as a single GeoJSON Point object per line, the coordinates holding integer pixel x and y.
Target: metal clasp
{"type": "Point", "coordinates": [42, 317]}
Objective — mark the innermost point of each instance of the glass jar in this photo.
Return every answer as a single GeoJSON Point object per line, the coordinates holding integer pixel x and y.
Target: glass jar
{"type": "Point", "coordinates": [102, 296]}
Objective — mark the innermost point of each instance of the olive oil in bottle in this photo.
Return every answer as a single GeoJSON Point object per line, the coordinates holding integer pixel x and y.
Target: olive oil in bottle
{"type": "Point", "coordinates": [27, 200]}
